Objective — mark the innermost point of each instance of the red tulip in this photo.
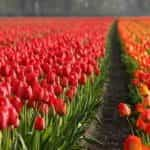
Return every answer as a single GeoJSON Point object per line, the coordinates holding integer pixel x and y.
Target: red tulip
{"type": "Point", "coordinates": [147, 128]}
{"type": "Point", "coordinates": [135, 82]}
{"type": "Point", "coordinates": [140, 124]}
{"type": "Point", "coordinates": [51, 77]}
{"type": "Point", "coordinates": [64, 82]}
{"type": "Point", "coordinates": [66, 70]}
{"type": "Point", "coordinates": [124, 110]}
{"type": "Point", "coordinates": [71, 92]}
{"type": "Point", "coordinates": [4, 101]}
{"type": "Point", "coordinates": [28, 93]}
{"type": "Point", "coordinates": [13, 116]}
{"type": "Point", "coordinates": [145, 115]}
{"type": "Point", "coordinates": [31, 78]}
{"type": "Point", "coordinates": [3, 117]}
{"type": "Point", "coordinates": [58, 89]}
{"type": "Point", "coordinates": [5, 69]}
{"type": "Point", "coordinates": [20, 90]}
{"type": "Point", "coordinates": [3, 90]}
{"type": "Point", "coordinates": [73, 80]}
{"type": "Point", "coordinates": [38, 92]}
{"type": "Point", "coordinates": [17, 103]}
{"type": "Point", "coordinates": [83, 79]}
{"type": "Point", "coordinates": [39, 123]}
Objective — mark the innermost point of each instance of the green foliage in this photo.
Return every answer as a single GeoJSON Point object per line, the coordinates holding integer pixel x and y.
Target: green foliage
{"type": "Point", "coordinates": [134, 95]}
{"type": "Point", "coordinates": [131, 65]}
{"type": "Point", "coordinates": [61, 132]}
{"type": "Point", "coordinates": [145, 137]}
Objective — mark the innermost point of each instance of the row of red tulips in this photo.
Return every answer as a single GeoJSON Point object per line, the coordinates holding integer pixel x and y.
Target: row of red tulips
{"type": "Point", "coordinates": [43, 64]}
{"type": "Point", "coordinates": [134, 36]}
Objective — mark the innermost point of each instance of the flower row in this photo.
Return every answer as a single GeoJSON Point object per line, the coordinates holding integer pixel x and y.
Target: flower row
{"type": "Point", "coordinates": [134, 35]}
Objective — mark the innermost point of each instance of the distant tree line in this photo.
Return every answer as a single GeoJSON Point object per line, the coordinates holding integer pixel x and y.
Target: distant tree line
{"type": "Point", "coordinates": [73, 7]}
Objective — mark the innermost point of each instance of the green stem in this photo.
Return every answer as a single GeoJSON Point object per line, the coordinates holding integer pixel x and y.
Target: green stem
{"type": "Point", "coordinates": [130, 125]}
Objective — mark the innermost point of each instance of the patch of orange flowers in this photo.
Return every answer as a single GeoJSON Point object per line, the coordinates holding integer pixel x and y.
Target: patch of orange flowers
{"type": "Point", "coordinates": [135, 39]}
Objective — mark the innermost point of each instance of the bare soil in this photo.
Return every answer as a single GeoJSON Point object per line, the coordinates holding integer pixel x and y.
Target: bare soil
{"type": "Point", "coordinates": [113, 129]}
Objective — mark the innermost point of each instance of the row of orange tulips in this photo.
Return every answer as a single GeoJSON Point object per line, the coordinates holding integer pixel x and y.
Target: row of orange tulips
{"type": "Point", "coordinates": [135, 41]}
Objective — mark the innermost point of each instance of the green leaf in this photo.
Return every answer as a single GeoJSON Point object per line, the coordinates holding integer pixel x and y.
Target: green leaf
{"type": "Point", "coordinates": [130, 63]}
{"type": "Point", "coordinates": [92, 140]}
{"type": "Point", "coordinates": [134, 95]}
{"type": "Point", "coordinates": [24, 147]}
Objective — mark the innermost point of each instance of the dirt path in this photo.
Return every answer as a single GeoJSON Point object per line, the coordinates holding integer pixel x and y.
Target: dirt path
{"type": "Point", "coordinates": [113, 129]}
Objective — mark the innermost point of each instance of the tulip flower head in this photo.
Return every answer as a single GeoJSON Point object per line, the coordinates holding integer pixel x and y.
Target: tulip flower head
{"type": "Point", "coordinates": [132, 143]}
{"type": "Point", "coordinates": [124, 110]}
{"type": "Point", "coordinates": [39, 123]}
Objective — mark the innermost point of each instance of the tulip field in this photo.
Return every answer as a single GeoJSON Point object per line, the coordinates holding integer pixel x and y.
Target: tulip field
{"type": "Point", "coordinates": [53, 77]}
{"type": "Point", "coordinates": [52, 73]}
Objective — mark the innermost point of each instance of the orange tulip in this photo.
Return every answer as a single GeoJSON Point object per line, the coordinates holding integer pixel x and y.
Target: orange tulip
{"type": "Point", "coordinates": [132, 143]}
{"type": "Point", "coordinates": [144, 147]}
{"type": "Point", "coordinates": [146, 101]}
{"type": "Point", "coordinates": [144, 91]}
{"type": "Point", "coordinates": [139, 108]}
